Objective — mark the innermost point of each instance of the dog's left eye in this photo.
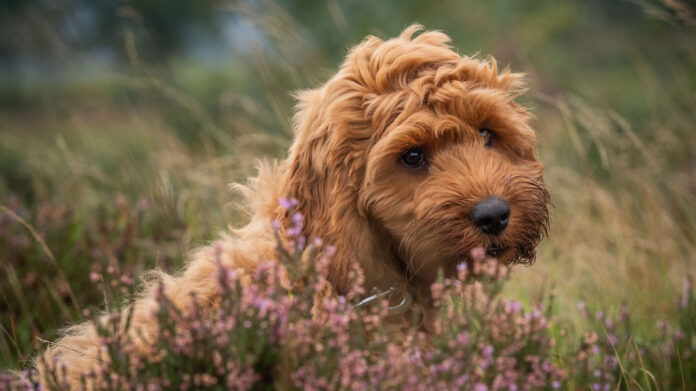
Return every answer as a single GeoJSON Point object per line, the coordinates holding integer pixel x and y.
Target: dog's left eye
{"type": "Point", "coordinates": [413, 158]}
{"type": "Point", "coordinates": [487, 135]}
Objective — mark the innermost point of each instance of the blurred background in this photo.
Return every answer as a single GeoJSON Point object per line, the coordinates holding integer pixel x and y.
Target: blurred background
{"type": "Point", "coordinates": [123, 122]}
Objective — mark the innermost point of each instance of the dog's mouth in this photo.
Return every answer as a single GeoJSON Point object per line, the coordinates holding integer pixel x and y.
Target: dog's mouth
{"type": "Point", "coordinates": [496, 250]}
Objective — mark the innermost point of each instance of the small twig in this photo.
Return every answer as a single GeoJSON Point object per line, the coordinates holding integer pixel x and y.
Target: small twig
{"type": "Point", "coordinates": [398, 309]}
{"type": "Point", "coordinates": [370, 299]}
{"type": "Point", "coordinates": [60, 346]}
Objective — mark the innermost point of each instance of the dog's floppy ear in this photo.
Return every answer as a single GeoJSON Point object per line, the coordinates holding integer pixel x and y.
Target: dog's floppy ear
{"type": "Point", "coordinates": [307, 166]}
{"type": "Point", "coordinates": [323, 170]}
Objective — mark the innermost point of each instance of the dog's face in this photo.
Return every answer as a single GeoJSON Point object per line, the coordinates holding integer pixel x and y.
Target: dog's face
{"type": "Point", "coordinates": [426, 148]}
{"type": "Point", "coordinates": [443, 181]}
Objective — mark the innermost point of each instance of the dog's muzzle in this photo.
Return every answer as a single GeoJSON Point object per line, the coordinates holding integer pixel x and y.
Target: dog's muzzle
{"type": "Point", "coordinates": [496, 251]}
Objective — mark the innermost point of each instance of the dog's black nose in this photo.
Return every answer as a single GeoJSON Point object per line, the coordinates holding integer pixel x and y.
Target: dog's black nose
{"type": "Point", "coordinates": [491, 215]}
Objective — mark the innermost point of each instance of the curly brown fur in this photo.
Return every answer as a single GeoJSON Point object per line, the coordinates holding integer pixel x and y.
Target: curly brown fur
{"type": "Point", "coordinates": [400, 225]}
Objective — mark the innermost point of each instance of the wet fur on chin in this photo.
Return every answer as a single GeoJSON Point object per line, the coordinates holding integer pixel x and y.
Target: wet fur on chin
{"type": "Point", "coordinates": [344, 168]}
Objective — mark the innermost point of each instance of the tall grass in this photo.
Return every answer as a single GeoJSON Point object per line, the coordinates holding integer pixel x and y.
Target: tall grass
{"type": "Point", "coordinates": [131, 173]}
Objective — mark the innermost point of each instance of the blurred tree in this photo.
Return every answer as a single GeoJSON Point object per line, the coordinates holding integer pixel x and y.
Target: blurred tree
{"type": "Point", "coordinates": [43, 30]}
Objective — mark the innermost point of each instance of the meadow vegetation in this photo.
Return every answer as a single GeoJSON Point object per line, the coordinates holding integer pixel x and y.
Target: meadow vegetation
{"type": "Point", "coordinates": [107, 171]}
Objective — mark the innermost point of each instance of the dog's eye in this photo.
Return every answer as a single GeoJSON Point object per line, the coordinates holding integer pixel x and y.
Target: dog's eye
{"type": "Point", "coordinates": [413, 158]}
{"type": "Point", "coordinates": [487, 135]}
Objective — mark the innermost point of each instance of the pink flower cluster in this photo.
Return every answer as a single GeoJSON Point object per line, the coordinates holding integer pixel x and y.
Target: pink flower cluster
{"type": "Point", "coordinates": [287, 330]}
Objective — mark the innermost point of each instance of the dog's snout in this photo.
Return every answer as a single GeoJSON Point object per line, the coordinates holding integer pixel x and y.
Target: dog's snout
{"type": "Point", "coordinates": [491, 215]}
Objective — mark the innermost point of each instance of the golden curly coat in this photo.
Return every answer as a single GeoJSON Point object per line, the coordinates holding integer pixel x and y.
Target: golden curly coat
{"type": "Point", "coordinates": [400, 218]}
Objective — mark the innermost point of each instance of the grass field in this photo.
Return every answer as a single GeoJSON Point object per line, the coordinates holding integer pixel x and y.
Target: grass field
{"type": "Point", "coordinates": [126, 169]}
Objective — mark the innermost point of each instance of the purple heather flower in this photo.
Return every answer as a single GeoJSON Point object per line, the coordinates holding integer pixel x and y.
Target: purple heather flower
{"type": "Point", "coordinates": [293, 232]}
{"type": "Point", "coordinates": [478, 253]}
{"type": "Point", "coordinates": [480, 387]}
{"type": "Point", "coordinates": [686, 293]}
{"type": "Point", "coordinates": [514, 306]}
{"type": "Point", "coordinates": [301, 242]}
{"type": "Point", "coordinates": [463, 338]}
{"type": "Point", "coordinates": [287, 204]}
{"type": "Point", "coordinates": [297, 219]}
{"type": "Point", "coordinates": [330, 251]}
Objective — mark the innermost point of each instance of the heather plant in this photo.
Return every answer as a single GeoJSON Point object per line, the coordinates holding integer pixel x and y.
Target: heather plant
{"type": "Point", "coordinates": [510, 348]}
{"type": "Point", "coordinates": [612, 355]}
{"type": "Point", "coordinates": [282, 328]}
{"type": "Point", "coordinates": [50, 253]}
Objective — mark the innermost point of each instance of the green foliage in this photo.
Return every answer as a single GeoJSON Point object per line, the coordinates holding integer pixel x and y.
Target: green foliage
{"type": "Point", "coordinates": [159, 27]}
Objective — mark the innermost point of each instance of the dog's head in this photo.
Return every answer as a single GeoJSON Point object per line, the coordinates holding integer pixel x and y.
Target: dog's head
{"type": "Point", "coordinates": [412, 155]}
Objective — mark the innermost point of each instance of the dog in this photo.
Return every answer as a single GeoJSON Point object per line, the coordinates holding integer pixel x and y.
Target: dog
{"type": "Point", "coordinates": [408, 158]}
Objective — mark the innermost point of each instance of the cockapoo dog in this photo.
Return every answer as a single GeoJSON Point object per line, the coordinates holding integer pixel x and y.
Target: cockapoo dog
{"type": "Point", "coordinates": [408, 158]}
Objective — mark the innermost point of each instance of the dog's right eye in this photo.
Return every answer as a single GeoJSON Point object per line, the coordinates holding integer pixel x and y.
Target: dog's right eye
{"type": "Point", "coordinates": [413, 158]}
{"type": "Point", "coordinates": [487, 135]}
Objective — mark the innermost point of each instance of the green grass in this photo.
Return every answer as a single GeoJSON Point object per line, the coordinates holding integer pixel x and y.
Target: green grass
{"type": "Point", "coordinates": [132, 169]}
